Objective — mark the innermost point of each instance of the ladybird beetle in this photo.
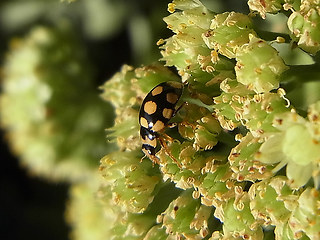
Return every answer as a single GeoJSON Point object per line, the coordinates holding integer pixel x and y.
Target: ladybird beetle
{"type": "Point", "coordinates": [156, 110]}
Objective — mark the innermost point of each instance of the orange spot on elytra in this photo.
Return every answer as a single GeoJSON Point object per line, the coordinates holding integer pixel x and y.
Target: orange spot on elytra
{"type": "Point", "coordinates": [172, 98]}
{"type": "Point", "coordinates": [157, 90]}
{"type": "Point", "coordinates": [150, 107]}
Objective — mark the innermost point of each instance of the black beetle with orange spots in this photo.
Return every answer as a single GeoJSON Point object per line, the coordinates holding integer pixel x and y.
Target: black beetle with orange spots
{"type": "Point", "coordinates": [158, 107]}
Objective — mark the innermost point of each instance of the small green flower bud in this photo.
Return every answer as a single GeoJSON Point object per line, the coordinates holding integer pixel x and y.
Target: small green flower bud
{"type": "Point", "coordinates": [237, 219]}
{"type": "Point", "coordinates": [259, 110]}
{"type": "Point", "coordinates": [229, 101]}
{"type": "Point", "coordinates": [258, 65]}
{"type": "Point", "coordinates": [215, 186]}
{"type": "Point", "coordinates": [202, 128]}
{"type": "Point", "coordinates": [296, 137]}
{"type": "Point", "coordinates": [205, 139]}
{"type": "Point", "coordinates": [243, 161]}
{"type": "Point", "coordinates": [270, 151]}
{"type": "Point", "coordinates": [146, 77]}
{"type": "Point", "coordinates": [272, 201]}
{"type": "Point", "coordinates": [267, 6]}
{"type": "Point", "coordinates": [126, 129]}
{"type": "Point", "coordinates": [191, 161]}
{"type": "Point", "coordinates": [116, 90]}
{"type": "Point", "coordinates": [228, 32]}
{"type": "Point", "coordinates": [191, 13]}
{"type": "Point", "coordinates": [306, 217]}
{"type": "Point", "coordinates": [186, 217]}
{"type": "Point", "coordinates": [182, 49]}
{"type": "Point", "coordinates": [296, 134]}
{"type": "Point", "coordinates": [305, 26]}
{"type": "Point", "coordinates": [132, 183]}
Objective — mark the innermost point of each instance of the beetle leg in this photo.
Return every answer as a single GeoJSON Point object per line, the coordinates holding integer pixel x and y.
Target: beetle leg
{"type": "Point", "coordinates": [155, 160]}
{"type": "Point", "coordinates": [178, 109]}
{"type": "Point", "coordinates": [168, 152]}
{"type": "Point", "coordinates": [172, 125]}
{"type": "Point", "coordinates": [144, 156]}
{"type": "Point", "coordinates": [167, 137]}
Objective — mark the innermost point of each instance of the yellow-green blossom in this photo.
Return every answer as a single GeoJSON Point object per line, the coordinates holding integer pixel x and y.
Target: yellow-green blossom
{"type": "Point", "coordinates": [89, 218]}
{"type": "Point", "coordinates": [297, 145]}
{"type": "Point", "coordinates": [266, 6]}
{"type": "Point", "coordinates": [49, 107]}
{"type": "Point", "coordinates": [186, 217]}
{"type": "Point", "coordinates": [305, 219]}
{"type": "Point", "coordinates": [132, 183]}
{"type": "Point", "coordinates": [258, 65]}
{"type": "Point", "coordinates": [228, 32]}
{"type": "Point", "coordinates": [304, 25]}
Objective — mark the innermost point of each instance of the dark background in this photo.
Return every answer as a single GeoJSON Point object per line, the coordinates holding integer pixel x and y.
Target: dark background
{"type": "Point", "coordinates": [30, 207]}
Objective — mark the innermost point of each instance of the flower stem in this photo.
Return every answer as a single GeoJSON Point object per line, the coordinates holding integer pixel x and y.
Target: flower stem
{"type": "Point", "coordinates": [271, 36]}
{"type": "Point", "coordinates": [299, 74]}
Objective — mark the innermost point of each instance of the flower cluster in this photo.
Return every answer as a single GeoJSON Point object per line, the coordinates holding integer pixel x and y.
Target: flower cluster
{"type": "Point", "coordinates": [235, 131]}
{"type": "Point", "coordinates": [303, 21]}
{"type": "Point", "coordinates": [57, 135]}
{"type": "Point", "coordinates": [40, 107]}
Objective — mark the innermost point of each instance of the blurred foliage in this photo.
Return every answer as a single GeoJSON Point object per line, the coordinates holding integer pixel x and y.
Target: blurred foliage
{"type": "Point", "coordinates": [95, 21]}
{"type": "Point", "coordinates": [46, 122]}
